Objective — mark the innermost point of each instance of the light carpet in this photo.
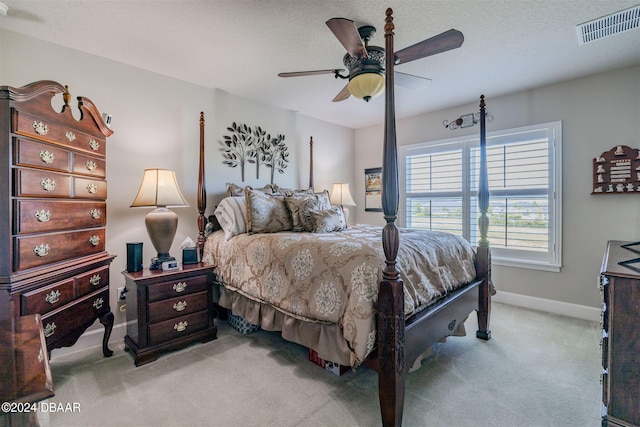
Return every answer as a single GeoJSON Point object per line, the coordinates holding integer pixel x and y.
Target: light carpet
{"type": "Point", "coordinates": [538, 369]}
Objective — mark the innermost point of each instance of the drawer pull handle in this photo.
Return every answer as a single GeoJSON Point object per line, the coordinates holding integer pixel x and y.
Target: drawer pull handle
{"type": "Point", "coordinates": [95, 213]}
{"type": "Point", "coordinates": [94, 145]}
{"type": "Point", "coordinates": [47, 157]}
{"type": "Point", "coordinates": [180, 286]}
{"type": "Point", "coordinates": [70, 136]}
{"type": "Point", "coordinates": [95, 280]}
{"type": "Point", "coordinates": [43, 216]}
{"type": "Point", "coordinates": [42, 249]}
{"type": "Point", "coordinates": [40, 128]}
{"type": "Point", "coordinates": [53, 297]}
{"type": "Point", "coordinates": [97, 304]}
{"type": "Point", "coordinates": [92, 188]}
{"type": "Point", "coordinates": [91, 165]}
{"type": "Point", "coordinates": [48, 184]}
{"type": "Point", "coordinates": [180, 305]}
{"type": "Point", "coordinates": [94, 240]}
{"type": "Point", "coordinates": [50, 329]}
{"type": "Point", "coordinates": [180, 326]}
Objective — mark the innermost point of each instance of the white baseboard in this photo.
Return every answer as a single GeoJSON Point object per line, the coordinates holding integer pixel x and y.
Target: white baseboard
{"type": "Point", "coordinates": [551, 306]}
{"type": "Point", "coordinates": [93, 338]}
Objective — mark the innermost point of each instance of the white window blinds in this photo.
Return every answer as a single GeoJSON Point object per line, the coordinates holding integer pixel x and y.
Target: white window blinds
{"type": "Point", "coordinates": [440, 183]}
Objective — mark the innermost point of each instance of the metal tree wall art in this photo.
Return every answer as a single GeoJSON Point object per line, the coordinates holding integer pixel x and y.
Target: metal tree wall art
{"type": "Point", "coordinates": [254, 145]}
{"type": "Point", "coordinates": [274, 154]}
{"type": "Point", "coordinates": [238, 148]}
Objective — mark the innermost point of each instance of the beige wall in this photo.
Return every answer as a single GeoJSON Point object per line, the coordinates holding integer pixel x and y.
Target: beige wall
{"type": "Point", "coordinates": [597, 113]}
{"type": "Point", "coordinates": [156, 124]}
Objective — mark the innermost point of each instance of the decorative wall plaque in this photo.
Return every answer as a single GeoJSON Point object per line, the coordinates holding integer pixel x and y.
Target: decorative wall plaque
{"type": "Point", "coordinates": [617, 171]}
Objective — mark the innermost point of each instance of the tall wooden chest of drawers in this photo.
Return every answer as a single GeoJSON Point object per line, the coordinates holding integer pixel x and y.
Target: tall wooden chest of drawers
{"type": "Point", "coordinates": [620, 285]}
{"type": "Point", "coordinates": [53, 213]}
{"type": "Point", "coordinates": [167, 310]}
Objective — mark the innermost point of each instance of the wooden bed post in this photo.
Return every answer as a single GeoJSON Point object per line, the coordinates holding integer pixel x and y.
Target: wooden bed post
{"type": "Point", "coordinates": [202, 192]}
{"type": "Point", "coordinates": [391, 321]}
{"type": "Point", "coordinates": [311, 184]}
{"type": "Point", "coordinates": [483, 260]}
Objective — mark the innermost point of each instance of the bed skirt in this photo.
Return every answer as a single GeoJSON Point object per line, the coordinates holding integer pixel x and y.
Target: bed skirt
{"type": "Point", "coordinates": [325, 338]}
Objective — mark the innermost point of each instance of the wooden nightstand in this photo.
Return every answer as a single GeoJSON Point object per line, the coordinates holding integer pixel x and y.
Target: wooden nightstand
{"type": "Point", "coordinates": [167, 310]}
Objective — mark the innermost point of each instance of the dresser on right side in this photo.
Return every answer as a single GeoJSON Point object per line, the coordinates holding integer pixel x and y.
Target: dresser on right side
{"type": "Point", "coordinates": [620, 286]}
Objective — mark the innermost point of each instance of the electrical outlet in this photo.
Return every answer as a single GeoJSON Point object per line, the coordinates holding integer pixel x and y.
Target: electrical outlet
{"type": "Point", "coordinates": [122, 294]}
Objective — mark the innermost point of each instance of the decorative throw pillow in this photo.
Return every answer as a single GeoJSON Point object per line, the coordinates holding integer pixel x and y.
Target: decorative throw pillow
{"type": "Point", "coordinates": [328, 220]}
{"type": "Point", "coordinates": [230, 214]}
{"type": "Point", "coordinates": [236, 190]}
{"type": "Point", "coordinates": [266, 213]}
{"type": "Point", "coordinates": [301, 204]}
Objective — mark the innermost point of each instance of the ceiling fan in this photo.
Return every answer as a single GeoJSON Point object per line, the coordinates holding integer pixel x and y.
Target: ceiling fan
{"type": "Point", "coordinates": [366, 64]}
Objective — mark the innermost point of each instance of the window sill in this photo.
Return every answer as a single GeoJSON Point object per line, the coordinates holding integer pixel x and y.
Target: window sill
{"type": "Point", "coordinates": [508, 262]}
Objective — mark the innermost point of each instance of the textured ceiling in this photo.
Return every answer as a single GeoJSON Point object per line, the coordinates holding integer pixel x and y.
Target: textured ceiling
{"type": "Point", "coordinates": [239, 46]}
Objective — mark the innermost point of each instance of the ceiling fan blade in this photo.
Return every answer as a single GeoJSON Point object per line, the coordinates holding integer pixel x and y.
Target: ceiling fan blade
{"type": "Point", "coordinates": [310, 73]}
{"type": "Point", "coordinates": [344, 94]}
{"type": "Point", "coordinates": [448, 40]}
{"type": "Point", "coordinates": [411, 82]}
{"type": "Point", "coordinates": [347, 33]}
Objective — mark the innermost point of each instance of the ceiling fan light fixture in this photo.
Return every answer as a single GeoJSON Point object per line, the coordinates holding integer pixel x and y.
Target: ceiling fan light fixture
{"type": "Point", "coordinates": [366, 86]}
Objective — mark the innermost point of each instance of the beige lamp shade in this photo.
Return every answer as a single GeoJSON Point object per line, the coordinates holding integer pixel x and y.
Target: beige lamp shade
{"type": "Point", "coordinates": [366, 85]}
{"type": "Point", "coordinates": [340, 195]}
{"type": "Point", "coordinates": [159, 187]}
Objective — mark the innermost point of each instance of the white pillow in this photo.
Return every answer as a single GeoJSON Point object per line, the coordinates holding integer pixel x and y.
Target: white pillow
{"type": "Point", "coordinates": [230, 213]}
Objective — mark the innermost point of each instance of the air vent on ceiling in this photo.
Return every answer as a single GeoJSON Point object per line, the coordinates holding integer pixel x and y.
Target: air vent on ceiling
{"type": "Point", "coordinates": [609, 25]}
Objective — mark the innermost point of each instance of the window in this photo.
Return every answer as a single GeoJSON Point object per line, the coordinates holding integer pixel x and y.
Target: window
{"type": "Point", "coordinates": [440, 181]}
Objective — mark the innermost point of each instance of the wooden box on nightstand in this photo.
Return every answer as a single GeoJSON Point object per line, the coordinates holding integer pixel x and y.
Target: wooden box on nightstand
{"type": "Point", "coordinates": [167, 310]}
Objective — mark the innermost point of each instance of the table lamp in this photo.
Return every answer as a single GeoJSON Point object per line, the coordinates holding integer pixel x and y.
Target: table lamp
{"type": "Point", "coordinates": [340, 195]}
{"type": "Point", "coordinates": [159, 189]}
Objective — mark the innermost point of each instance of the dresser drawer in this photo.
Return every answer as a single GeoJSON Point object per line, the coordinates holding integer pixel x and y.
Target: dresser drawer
{"type": "Point", "coordinates": [91, 281]}
{"type": "Point", "coordinates": [26, 124]}
{"type": "Point", "coordinates": [41, 216]}
{"type": "Point", "coordinates": [32, 153]}
{"type": "Point", "coordinates": [87, 165]}
{"type": "Point", "coordinates": [88, 188]}
{"type": "Point", "coordinates": [177, 287]}
{"type": "Point", "coordinates": [34, 251]}
{"type": "Point", "coordinates": [178, 327]}
{"type": "Point", "coordinates": [60, 322]}
{"type": "Point", "coordinates": [47, 299]}
{"type": "Point", "coordinates": [173, 307]}
{"type": "Point", "coordinates": [40, 183]}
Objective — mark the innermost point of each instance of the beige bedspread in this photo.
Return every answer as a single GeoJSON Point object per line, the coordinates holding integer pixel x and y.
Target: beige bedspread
{"type": "Point", "coordinates": [334, 277]}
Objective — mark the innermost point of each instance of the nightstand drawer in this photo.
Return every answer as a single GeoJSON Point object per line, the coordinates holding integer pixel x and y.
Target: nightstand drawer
{"type": "Point", "coordinates": [178, 327]}
{"type": "Point", "coordinates": [177, 287]}
{"type": "Point", "coordinates": [47, 299]}
{"type": "Point", "coordinates": [59, 323]}
{"type": "Point", "coordinates": [174, 307]}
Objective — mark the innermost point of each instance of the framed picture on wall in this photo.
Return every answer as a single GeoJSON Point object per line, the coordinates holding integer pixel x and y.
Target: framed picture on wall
{"type": "Point", "coordinates": [373, 190]}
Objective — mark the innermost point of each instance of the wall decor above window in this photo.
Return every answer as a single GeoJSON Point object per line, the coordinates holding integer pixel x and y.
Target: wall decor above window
{"type": "Point", "coordinates": [617, 171]}
{"type": "Point", "coordinates": [254, 145]}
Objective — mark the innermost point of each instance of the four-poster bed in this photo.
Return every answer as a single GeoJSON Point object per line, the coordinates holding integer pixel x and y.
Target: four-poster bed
{"type": "Point", "coordinates": [400, 337]}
